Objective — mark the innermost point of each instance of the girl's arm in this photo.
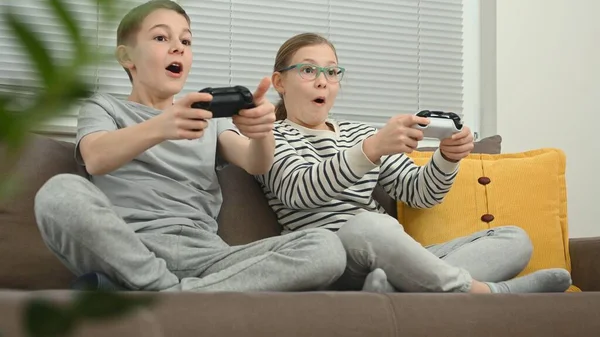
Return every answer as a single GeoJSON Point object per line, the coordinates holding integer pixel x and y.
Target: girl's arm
{"type": "Point", "coordinates": [417, 186]}
{"type": "Point", "coordinates": [301, 184]}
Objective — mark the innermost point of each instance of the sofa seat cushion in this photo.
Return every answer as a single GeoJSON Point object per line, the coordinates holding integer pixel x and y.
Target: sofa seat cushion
{"type": "Point", "coordinates": [328, 314]}
{"type": "Point", "coordinates": [25, 261]}
{"type": "Point", "coordinates": [525, 189]}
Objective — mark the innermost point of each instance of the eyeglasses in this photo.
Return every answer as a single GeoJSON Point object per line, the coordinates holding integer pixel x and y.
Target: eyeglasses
{"type": "Point", "coordinates": [310, 71]}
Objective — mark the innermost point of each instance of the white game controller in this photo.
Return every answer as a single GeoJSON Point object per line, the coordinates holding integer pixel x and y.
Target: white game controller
{"type": "Point", "coordinates": [441, 125]}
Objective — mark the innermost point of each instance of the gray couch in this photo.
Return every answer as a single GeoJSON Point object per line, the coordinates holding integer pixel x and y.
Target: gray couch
{"type": "Point", "coordinates": [28, 269]}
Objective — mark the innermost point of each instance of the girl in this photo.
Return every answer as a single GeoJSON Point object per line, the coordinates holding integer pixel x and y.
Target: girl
{"type": "Point", "coordinates": [325, 171]}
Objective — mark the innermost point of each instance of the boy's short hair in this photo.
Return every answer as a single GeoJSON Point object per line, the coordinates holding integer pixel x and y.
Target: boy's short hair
{"type": "Point", "coordinates": [132, 21]}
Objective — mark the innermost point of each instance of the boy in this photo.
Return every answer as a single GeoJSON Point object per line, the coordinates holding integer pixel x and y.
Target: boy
{"type": "Point", "coordinates": [147, 218]}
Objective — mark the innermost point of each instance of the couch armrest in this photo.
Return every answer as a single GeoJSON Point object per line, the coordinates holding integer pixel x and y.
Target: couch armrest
{"type": "Point", "coordinates": [585, 263]}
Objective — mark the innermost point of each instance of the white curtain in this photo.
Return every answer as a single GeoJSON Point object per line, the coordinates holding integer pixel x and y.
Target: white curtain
{"type": "Point", "coordinates": [401, 56]}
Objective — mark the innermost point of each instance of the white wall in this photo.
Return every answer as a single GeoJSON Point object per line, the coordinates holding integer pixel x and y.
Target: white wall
{"type": "Point", "coordinates": [548, 90]}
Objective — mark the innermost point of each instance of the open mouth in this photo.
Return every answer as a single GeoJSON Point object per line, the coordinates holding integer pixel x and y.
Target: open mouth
{"type": "Point", "coordinates": [319, 100]}
{"type": "Point", "coordinates": [175, 67]}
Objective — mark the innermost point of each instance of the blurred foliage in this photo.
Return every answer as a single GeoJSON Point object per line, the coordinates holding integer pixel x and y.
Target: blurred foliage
{"type": "Point", "coordinates": [61, 86]}
{"type": "Point", "coordinates": [43, 318]}
{"type": "Point", "coordinates": [61, 83]}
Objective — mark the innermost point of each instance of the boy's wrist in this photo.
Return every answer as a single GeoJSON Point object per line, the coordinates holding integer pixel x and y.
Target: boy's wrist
{"type": "Point", "coordinates": [153, 128]}
{"type": "Point", "coordinates": [267, 135]}
{"type": "Point", "coordinates": [267, 140]}
{"type": "Point", "coordinates": [260, 155]}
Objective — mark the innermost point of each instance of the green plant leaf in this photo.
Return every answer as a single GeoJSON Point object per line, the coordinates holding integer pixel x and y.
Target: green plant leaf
{"type": "Point", "coordinates": [57, 100]}
{"type": "Point", "coordinates": [61, 85]}
{"type": "Point", "coordinates": [42, 319]}
{"type": "Point", "coordinates": [9, 185]}
{"type": "Point", "coordinates": [72, 27]}
{"type": "Point", "coordinates": [5, 119]}
{"type": "Point", "coordinates": [100, 305]}
{"type": "Point", "coordinates": [35, 48]}
{"type": "Point", "coordinates": [12, 129]}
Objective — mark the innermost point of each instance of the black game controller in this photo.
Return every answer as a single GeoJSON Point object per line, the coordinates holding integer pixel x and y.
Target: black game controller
{"type": "Point", "coordinates": [226, 101]}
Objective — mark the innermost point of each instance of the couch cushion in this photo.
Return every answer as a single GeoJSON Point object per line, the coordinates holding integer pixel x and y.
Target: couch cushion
{"type": "Point", "coordinates": [25, 261]}
{"type": "Point", "coordinates": [524, 189]}
{"type": "Point", "coordinates": [247, 314]}
{"type": "Point", "coordinates": [245, 215]}
{"type": "Point", "coordinates": [497, 315]}
{"type": "Point", "coordinates": [329, 314]}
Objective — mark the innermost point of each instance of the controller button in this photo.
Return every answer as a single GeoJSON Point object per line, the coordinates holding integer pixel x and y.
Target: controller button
{"type": "Point", "coordinates": [484, 180]}
{"type": "Point", "coordinates": [487, 218]}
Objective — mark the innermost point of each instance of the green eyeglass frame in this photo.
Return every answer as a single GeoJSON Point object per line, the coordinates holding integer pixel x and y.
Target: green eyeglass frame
{"type": "Point", "coordinates": [332, 73]}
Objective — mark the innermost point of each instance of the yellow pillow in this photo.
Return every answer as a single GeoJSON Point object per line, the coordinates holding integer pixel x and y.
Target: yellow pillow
{"type": "Point", "coordinates": [525, 189]}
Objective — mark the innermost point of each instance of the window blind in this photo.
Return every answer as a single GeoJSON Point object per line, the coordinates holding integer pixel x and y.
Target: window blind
{"type": "Point", "coordinates": [18, 76]}
{"type": "Point", "coordinates": [16, 73]}
{"type": "Point", "coordinates": [401, 56]}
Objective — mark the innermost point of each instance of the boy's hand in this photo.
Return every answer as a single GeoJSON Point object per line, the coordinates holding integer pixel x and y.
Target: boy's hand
{"type": "Point", "coordinates": [257, 123]}
{"type": "Point", "coordinates": [181, 121]}
{"type": "Point", "coordinates": [458, 146]}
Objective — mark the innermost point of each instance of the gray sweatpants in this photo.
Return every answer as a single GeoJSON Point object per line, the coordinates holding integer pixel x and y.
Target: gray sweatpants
{"type": "Point", "coordinates": [374, 240]}
{"type": "Point", "coordinates": [78, 224]}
